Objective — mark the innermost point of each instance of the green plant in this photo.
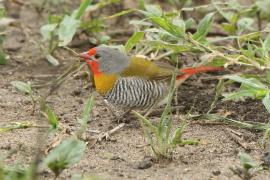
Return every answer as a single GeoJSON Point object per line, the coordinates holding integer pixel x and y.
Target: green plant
{"type": "Point", "coordinates": [69, 152]}
{"type": "Point", "coordinates": [49, 114]}
{"type": "Point", "coordinates": [64, 155]}
{"type": "Point", "coordinates": [25, 88]}
{"type": "Point", "coordinates": [16, 125]}
{"type": "Point", "coordinates": [60, 31]}
{"type": "Point", "coordinates": [251, 87]}
{"type": "Point", "coordinates": [3, 59]}
{"type": "Point", "coordinates": [85, 116]}
{"type": "Point", "coordinates": [248, 167]}
{"type": "Point", "coordinates": [16, 172]}
{"type": "Point", "coordinates": [163, 137]}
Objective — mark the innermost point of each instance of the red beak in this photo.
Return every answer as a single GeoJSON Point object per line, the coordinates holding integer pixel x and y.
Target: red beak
{"type": "Point", "coordinates": [89, 54]}
{"type": "Point", "coordinates": [84, 55]}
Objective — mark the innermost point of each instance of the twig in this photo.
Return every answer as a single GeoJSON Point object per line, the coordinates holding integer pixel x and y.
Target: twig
{"type": "Point", "coordinates": [205, 123]}
{"type": "Point", "coordinates": [41, 76]}
{"type": "Point", "coordinates": [21, 3]}
{"type": "Point", "coordinates": [237, 139]}
{"type": "Point", "coordinates": [163, 55]}
{"type": "Point", "coordinates": [71, 50]}
{"type": "Point", "coordinates": [62, 78]}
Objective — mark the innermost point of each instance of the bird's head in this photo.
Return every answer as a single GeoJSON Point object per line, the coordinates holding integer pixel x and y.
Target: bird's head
{"type": "Point", "coordinates": [104, 59]}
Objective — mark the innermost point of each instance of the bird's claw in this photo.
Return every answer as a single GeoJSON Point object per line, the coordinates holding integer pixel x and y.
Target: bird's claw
{"type": "Point", "coordinates": [105, 136]}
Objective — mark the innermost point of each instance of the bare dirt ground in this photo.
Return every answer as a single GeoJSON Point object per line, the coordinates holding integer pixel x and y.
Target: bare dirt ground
{"type": "Point", "coordinates": [120, 157]}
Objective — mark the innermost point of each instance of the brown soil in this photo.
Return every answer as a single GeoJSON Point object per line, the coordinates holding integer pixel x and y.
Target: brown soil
{"type": "Point", "coordinates": [121, 157]}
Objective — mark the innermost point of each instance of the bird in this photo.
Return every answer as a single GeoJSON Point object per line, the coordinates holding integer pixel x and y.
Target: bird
{"type": "Point", "coordinates": [133, 82]}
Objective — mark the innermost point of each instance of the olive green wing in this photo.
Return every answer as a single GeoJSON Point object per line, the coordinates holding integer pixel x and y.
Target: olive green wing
{"type": "Point", "coordinates": [143, 67]}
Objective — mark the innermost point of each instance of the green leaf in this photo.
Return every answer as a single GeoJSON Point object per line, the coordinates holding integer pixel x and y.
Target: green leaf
{"type": "Point", "coordinates": [3, 60]}
{"type": "Point", "coordinates": [179, 23]}
{"type": "Point", "coordinates": [153, 10]}
{"type": "Point", "coordinates": [263, 6]}
{"type": "Point", "coordinates": [120, 13]}
{"type": "Point", "coordinates": [104, 39]}
{"type": "Point", "coordinates": [47, 31]}
{"type": "Point", "coordinates": [268, 76]}
{"type": "Point", "coordinates": [164, 126]}
{"type": "Point", "coordinates": [141, 4]}
{"type": "Point", "coordinates": [189, 23]}
{"type": "Point", "coordinates": [250, 81]}
{"type": "Point", "coordinates": [16, 125]}
{"type": "Point", "coordinates": [121, 48]}
{"type": "Point", "coordinates": [170, 46]}
{"type": "Point", "coordinates": [88, 108]}
{"type": "Point", "coordinates": [165, 24]}
{"type": "Point", "coordinates": [266, 102]}
{"type": "Point", "coordinates": [245, 24]}
{"type": "Point", "coordinates": [177, 136]}
{"type": "Point", "coordinates": [266, 45]}
{"type": "Point", "coordinates": [225, 14]}
{"type": "Point", "coordinates": [230, 28]}
{"type": "Point", "coordinates": [236, 96]}
{"type": "Point", "coordinates": [217, 62]}
{"type": "Point", "coordinates": [52, 60]}
{"type": "Point", "coordinates": [146, 123]}
{"type": "Point", "coordinates": [51, 117]}
{"type": "Point", "coordinates": [21, 86]}
{"type": "Point", "coordinates": [203, 27]}
{"type": "Point", "coordinates": [133, 40]}
{"type": "Point", "coordinates": [250, 36]}
{"type": "Point", "coordinates": [141, 22]}
{"type": "Point", "coordinates": [86, 113]}
{"type": "Point", "coordinates": [82, 8]}
{"type": "Point", "coordinates": [246, 161]}
{"type": "Point", "coordinates": [69, 152]}
{"type": "Point", "coordinates": [67, 29]}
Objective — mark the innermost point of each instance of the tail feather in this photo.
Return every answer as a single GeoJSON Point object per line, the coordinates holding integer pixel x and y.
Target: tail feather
{"type": "Point", "coordinates": [187, 72]}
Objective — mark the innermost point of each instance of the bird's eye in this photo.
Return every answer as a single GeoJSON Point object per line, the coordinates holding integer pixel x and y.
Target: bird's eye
{"type": "Point", "coordinates": [97, 56]}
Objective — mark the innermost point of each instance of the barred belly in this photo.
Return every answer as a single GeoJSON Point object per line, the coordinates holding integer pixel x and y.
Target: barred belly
{"type": "Point", "coordinates": [135, 92]}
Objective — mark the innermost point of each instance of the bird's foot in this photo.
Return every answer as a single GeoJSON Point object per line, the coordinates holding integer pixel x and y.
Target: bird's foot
{"type": "Point", "coordinates": [104, 135]}
{"type": "Point", "coordinates": [123, 118]}
{"type": "Point", "coordinates": [107, 135]}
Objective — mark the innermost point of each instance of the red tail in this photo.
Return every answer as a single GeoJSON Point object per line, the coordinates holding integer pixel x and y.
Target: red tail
{"type": "Point", "coordinates": [187, 72]}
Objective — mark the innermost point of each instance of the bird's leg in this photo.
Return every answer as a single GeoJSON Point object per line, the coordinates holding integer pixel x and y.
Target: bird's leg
{"type": "Point", "coordinates": [118, 118]}
{"type": "Point", "coordinates": [106, 135]}
{"type": "Point", "coordinates": [150, 110]}
{"type": "Point", "coordinates": [121, 118]}
{"type": "Point", "coordinates": [110, 108]}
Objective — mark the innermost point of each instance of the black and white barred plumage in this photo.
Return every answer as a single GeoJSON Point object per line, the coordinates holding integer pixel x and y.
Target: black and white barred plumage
{"type": "Point", "coordinates": [135, 92]}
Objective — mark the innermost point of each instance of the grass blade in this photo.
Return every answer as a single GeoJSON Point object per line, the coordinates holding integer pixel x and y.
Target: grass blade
{"type": "Point", "coordinates": [82, 8]}
{"type": "Point", "coordinates": [133, 40]}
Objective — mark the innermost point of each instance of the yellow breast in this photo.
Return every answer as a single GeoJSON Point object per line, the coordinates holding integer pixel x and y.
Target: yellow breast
{"type": "Point", "coordinates": [104, 82]}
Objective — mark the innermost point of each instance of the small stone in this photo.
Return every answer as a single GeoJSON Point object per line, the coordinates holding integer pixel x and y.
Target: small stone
{"type": "Point", "coordinates": [76, 92]}
{"type": "Point", "coordinates": [216, 172]}
{"type": "Point", "coordinates": [115, 158]}
{"type": "Point", "coordinates": [6, 147]}
{"type": "Point", "coordinates": [120, 175]}
{"type": "Point", "coordinates": [145, 163]}
{"type": "Point", "coordinates": [80, 101]}
{"type": "Point", "coordinates": [266, 158]}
